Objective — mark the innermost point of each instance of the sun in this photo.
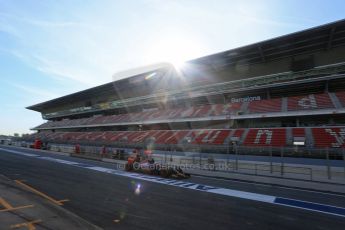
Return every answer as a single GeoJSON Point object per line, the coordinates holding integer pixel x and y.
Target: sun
{"type": "Point", "coordinates": [174, 50]}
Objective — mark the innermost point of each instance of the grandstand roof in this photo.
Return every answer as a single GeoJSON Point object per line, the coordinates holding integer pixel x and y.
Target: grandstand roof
{"type": "Point", "coordinates": [318, 38]}
{"type": "Point", "coordinates": [105, 89]}
{"type": "Point", "coordinates": [310, 40]}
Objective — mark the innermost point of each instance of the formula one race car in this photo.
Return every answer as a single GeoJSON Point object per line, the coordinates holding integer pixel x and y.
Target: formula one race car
{"type": "Point", "coordinates": [145, 164]}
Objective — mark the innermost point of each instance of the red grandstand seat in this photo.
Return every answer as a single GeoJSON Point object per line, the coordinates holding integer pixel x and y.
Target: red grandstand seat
{"type": "Point", "coordinates": [312, 101]}
{"type": "Point", "coordinates": [196, 111]}
{"type": "Point", "coordinates": [67, 136]}
{"type": "Point", "coordinates": [147, 115]}
{"type": "Point", "coordinates": [137, 137]}
{"type": "Point", "coordinates": [136, 116]}
{"type": "Point", "coordinates": [189, 138]}
{"type": "Point", "coordinates": [111, 119]}
{"type": "Point", "coordinates": [176, 137]}
{"type": "Point", "coordinates": [298, 136]}
{"type": "Point", "coordinates": [329, 137]}
{"type": "Point", "coordinates": [264, 106]}
{"type": "Point", "coordinates": [152, 135]}
{"type": "Point", "coordinates": [161, 136]}
{"type": "Point", "coordinates": [97, 120]}
{"type": "Point", "coordinates": [217, 110]}
{"type": "Point", "coordinates": [57, 136]}
{"type": "Point", "coordinates": [90, 120]}
{"type": "Point", "coordinates": [95, 136]}
{"type": "Point", "coordinates": [202, 111]}
{"type": "Point", "coordinates": [170, 137]}
{"type": "Point", "coordinates": [174, 113]}
{"type": "Point", "coordinates": [123, 118]}
{"type": "Point", "coordinates": [124, 136]}
{"type": "Point", "coordinates": [157, 114]}
{"type": "Point", "coordinates": [219, 136]}
{"type": "Point", "coordinates": [298, 132]}
{"type": "Point", "coordinates": [216, 137]}
{"type": "Point", "coordinates": [119, 136]}
{"type": "Point", "coordinates": [265, 137]}
{"type": "Point", "coordinates": [237, 134]}
{"type": "Point", "coordinates": [106, 137]}
{"type": "Point", "coordinates": [232, 108]}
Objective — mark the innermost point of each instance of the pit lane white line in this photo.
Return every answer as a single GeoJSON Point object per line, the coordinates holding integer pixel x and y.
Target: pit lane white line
{"type": "Point", "coordinates": [272, 186]}
{"type": "Point", "coordinates": [315, 207]}
{"type": "Point", "coordinates": [242, 182]}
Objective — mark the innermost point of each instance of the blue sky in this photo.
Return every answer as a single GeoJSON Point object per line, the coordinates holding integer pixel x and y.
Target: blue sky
{"type": "Point", "coordinates": [52, 48]}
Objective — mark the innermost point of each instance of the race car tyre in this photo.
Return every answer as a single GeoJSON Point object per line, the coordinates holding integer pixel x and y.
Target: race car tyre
{"type": "Point", "coordinates": [136, 166]}
{"type": "Point", "coordinates": [165, 173]}
{"type": "Point", "coordinates": [128, 167]}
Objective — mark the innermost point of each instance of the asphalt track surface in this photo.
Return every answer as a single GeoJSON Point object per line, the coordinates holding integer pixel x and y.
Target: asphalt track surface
{"type": "Point", "coordinates": [110, 201]}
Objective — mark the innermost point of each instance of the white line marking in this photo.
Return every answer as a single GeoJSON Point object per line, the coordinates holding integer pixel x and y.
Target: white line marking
{"type": "Point", "coordinates": [205, 188]}
{"type": "Point", "coordinates": [272, 186]}
{"type": "Point", "coordinates": [20, 153]}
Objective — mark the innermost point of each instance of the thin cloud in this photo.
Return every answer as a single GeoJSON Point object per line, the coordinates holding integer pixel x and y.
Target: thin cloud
{"type": "Point", "coordinates": [45, 23]}
{"type": "Point", "coordinates": [36, 92]}
{"type": "Point", "coordinates": [61, 50]}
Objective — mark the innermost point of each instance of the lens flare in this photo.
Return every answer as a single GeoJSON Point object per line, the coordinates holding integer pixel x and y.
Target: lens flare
{"type": "Point", "coordinates": [137, 190]}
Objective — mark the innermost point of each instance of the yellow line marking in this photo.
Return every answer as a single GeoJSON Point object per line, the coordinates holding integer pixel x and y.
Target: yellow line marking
{"type": "Point", "coordinates": [40, 193]}
{"type": "Point", "coordinates": [5, 203]}
{"type": "Point", "coordinates": [16, 208]}
{"type": "Point", "coordinates": [29, 225]}
{"type": "Point", "coordinates": [9, 207]}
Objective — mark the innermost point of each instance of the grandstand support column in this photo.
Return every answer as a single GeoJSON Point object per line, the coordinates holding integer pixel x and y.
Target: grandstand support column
{"type": "Point", "coordinates": [282, 161]}
{"type": "Point", "coordinates": [343, 150]}
{"type": "Point", "coordinates": [328, 166]}
{"type": "Point", "coordinates": [200, 160]}
{"type": "Point", "coordinates": [268, 94]}
{"type": "Point", "coordinates": [326, 86]}
{"type": "Point", "coordinates": [310, 140]}
{"type": "Point", "coordinates": [284, 104]}
{"type": "Point", "coordinates": [335, 101]}
{"type": "Point", "coordinates": [228, 154]}
{"type": "Point", "coordinates": [331, 120]}
{"type": "Point", "coordinates": [236, 158]}
{"type": "Point", "coordinates": [297, 122]}
{"type": "Point", "coordinates": [271, 162]}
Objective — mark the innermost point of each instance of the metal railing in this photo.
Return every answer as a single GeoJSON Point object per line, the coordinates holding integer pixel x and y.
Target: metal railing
{"type": "Point", "coordinates": [326, 165]}
{"type": "Point", "coordinates": [299, 151]}
{"type": "Point", "coordinates": [277, 170]}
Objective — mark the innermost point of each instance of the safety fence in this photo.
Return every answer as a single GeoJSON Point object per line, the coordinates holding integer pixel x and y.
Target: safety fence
{"type": "Point", "coordinates": [284, 167]}
{"type": "Point", "coordinates": [294, 151]}
{"type": "Point", "coordinates": [324, 165]}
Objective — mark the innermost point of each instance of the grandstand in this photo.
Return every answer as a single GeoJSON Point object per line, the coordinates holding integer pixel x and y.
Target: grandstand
{"type": "Point", "coordinates": [286, 92]}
